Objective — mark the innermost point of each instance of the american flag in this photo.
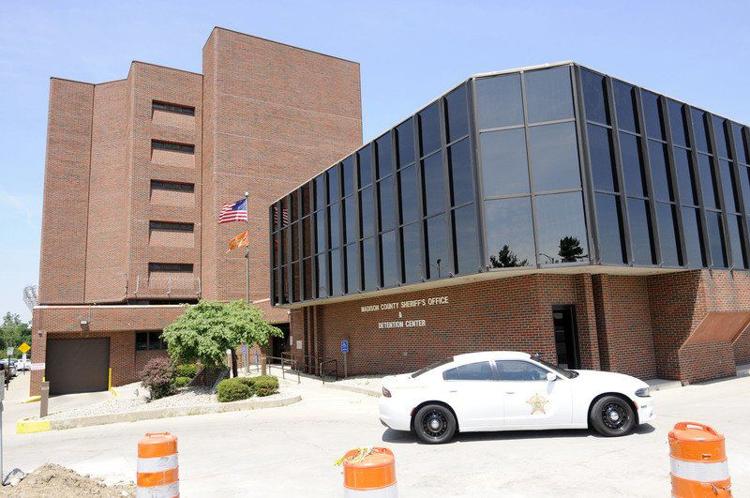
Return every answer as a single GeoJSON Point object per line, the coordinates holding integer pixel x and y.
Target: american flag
{"type": "Point", "coordinates": [236, 211]}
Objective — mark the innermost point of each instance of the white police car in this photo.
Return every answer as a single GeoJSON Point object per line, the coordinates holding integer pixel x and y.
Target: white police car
{"type": "Point", "coordinates": [501, 390]}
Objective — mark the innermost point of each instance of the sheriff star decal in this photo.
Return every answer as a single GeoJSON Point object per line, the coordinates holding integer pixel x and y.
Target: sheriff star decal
{"type": "Point", "coordinates": [537, 403]}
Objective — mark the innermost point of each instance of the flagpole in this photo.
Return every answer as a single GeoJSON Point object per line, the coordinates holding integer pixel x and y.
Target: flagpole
{"type": "Point", "coordinates": [245, 352]}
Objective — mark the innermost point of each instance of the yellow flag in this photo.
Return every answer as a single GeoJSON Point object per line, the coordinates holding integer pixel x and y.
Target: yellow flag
{"type": "Point", "coordinates": [239, 240]}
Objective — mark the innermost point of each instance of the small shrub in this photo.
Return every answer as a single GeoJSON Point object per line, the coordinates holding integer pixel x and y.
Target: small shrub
{"type": "Point", "coordinates": [232, 390]}
{"type": "Point", "coordinates": [248, 381]}
{"type": "Point", "coordinates": [187, 370]}
{"type": "Point", "coordinates": [181, 381]}
{"type": "Point", "coordinates": [265, 385]}
{"type": "Point", "coordinates": [156, 376]}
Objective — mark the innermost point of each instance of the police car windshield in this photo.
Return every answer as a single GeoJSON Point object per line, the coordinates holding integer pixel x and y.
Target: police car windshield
{"type": "Point", "coordinates": [430, 367]}
{"type": "Point", "coordinates": [569, 374]}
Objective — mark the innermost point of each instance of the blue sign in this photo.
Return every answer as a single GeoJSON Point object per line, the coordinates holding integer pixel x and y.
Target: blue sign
{"type": "Point", "coordinates": [344, 345]}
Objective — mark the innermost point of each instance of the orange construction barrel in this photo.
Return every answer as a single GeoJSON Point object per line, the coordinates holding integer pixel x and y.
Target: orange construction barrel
{"type": "Point", "coordinates": [698, 461]}
{"type": "Point", "coordinates": [157, 466]}
{"type": "Point", "coordinates": [370, 473]}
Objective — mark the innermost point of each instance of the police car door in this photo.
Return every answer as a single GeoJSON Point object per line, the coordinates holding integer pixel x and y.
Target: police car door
{"type": "Point", "coordinates": [529, 399]}
{"type": "Point", "coordinates": [473, 393]}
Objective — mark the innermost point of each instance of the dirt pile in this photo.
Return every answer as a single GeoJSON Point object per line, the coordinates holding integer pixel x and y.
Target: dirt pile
{"type": "Point", "coordinates": [52, 480]}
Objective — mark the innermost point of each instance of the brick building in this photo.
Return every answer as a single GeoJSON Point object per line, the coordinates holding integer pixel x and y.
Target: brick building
{"type": "Point", "coordinates": [549, 209]}
{"type": "Point", "coordinates": [136, 173]}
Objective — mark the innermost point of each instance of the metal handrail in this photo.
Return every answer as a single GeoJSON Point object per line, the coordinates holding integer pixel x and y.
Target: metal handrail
{"type": "Point", "coordinates": [284, 361]}
{"type": "Point", "coordinates": [336, 369]}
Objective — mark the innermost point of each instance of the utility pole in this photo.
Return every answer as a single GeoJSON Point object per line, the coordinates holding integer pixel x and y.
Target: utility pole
{"type": "Point", "coordinates": [245, 353]}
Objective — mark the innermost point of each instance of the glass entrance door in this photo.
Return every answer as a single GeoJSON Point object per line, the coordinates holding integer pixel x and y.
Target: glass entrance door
{"type": "Point", "coordinates": [566, 336]}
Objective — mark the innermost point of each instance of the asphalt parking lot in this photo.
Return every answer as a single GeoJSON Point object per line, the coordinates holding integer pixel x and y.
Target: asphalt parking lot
{"type": "Point", "coordinates": [291, 451]}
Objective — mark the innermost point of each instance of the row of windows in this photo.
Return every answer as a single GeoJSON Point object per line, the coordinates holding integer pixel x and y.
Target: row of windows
{"type": "Point", "coordinates": [399, 210]}
{"type": "Point", "coordinates": [662, 195]}
{"type": "Point", "coordinates": [170, 226]}
{"type": "Point", "coordinates": [531, 180]}
{"type": "Point", "coordinates": [148, 341]}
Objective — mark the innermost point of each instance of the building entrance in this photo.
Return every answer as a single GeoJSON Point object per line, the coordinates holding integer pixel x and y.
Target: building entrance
{"type": "Point", "coordinates": [566, 336]}
{"type": "Point", "coordinates": [280, 345]}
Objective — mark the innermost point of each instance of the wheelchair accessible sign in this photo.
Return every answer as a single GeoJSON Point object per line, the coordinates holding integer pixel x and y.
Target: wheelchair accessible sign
{"type": "Point", "coordinates": [344, 345]}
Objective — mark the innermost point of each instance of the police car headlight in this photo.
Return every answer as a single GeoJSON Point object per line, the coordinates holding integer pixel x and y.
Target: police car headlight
{"type": "Point", "coordinates": [643, 392]}
{"type": "Point", "coordinates": [386, 393]}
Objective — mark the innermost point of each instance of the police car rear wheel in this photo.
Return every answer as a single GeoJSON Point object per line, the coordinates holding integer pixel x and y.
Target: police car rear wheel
{"type": "Point", "coordinates": [612, 416]}
{"type": "Point", "coordinates": [434, 424]}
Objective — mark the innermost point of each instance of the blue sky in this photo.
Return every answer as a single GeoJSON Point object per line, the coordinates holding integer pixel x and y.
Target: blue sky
{"type": "Point", "coordinates": [410, 51]}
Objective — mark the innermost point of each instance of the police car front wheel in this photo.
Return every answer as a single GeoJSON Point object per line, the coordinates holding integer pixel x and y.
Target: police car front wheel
{"type": "Point", "coordinates": [612, 416]}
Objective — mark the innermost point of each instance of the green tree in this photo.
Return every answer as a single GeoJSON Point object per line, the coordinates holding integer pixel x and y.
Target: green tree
{"type": "Point", "coordinates": [506, 259]}
{"type": "Point", "coordinates": [570, 249]}
{"type": "Point", "coordinates": [205, 331]}
{"type": "Point", "coordinates": [13, 332]}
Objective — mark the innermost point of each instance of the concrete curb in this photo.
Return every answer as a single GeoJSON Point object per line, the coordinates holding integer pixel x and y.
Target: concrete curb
{"type": "Point", "coordinates": [354, 389]}
{"type": "Point", "coordinates": [27, 426]}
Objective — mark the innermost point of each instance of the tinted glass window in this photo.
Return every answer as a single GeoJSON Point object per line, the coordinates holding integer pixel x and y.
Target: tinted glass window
{"type": "Point", "coordinates": [429, 129]}
{"type": "Point", "coordinates": [365, 166]}
{"type": "Point", "coordinates": [678, 124]}
{"type": "Point", "coordinates": [657, 153]}
{"type": "Point", "coordinates": [685, 178]}
{"type": "Point", "coordinates": [716, 239]}
{"type": "Point", "coordinates": [554, 157]}
{"type": "Point", "coordinates": [438, 256]}
{"type": "Point", "coordinates": [386, 206]}
{"type": "Point", "coordinates": [457, 119]}
{"type": "Point", "coordinates": [409, 199]}
{"type": "Point", "coordinates": [334, 182]}
{"type": "Point", "coordinates": [321, 274]}
{"type": "Point", "coordinates": [467, 245]}
{"type": "Point", "coordinates": [499, 101]}
{"type": "Point", "coordinates": [745, 185]}
{"type": "Point", "coordinates": [699, 129]}
{"type": "Point", "coordinates": [720, 136]}
{"type": "Point", "coordinates": [367, 212]}
{"type": "Point", "coordinates": [473, 371]}
{"type": "Point", "coordinates": [691, 227]}
{"type": "Point", "coordinates": [462, 178]}
{"type": "Point", "coordinates": [594, 97]}
{"type": "Point", "coordinates": [609, 220]}
{"type": "Point", "coordinates": [412, 253]}
{"type": "Point", "coordinates": [335, 220]}
{"type": "Point", "coordinates": [389, 261]}
{"type": "Point", "coordinates": [504, 165]}
{"type": "Point", "coordinates": [352, 268]}
{"type": "Point", "coordinates": [348, 175]}
{"type": "Point", "coordinates": [632, 165]}
{"type": "Point", "coordinates": [728, 186]}
{"type": "Point", "coordinates": [405, 140]}
{"type": "Point", "coordinates": [434, 184]}
{"type": "Point", "coordinates": [708, 183]}
{"type": "Point", "coordinates": [625, 106]}
{"type": "Point", "coordinates": [667, 221]}
{"type": "Point", "coordinates": [519, 370]}
{"type": "Point", "coordinates": [740, 144]}
{"type": "Point", "coordinates": [735, 242]}
{"type": "Point", "coordinates": [640, 232]}
{"type": "Point", "coordinates": [602, 160]}
{"type": "Point", "coordinates": [335, 269]}
{"type": "Point", "coordinates": [549, 96]}
{"type": "Point", "coordinates": [510, 240]}
{"type": "Point", "coordinates": [385, 155]}
{"type": "Point", "coordinates": [652, 113]}
{"type": "Point", "coordinates": [320, 192]}
{"type": "Point", "coordinates": [350, 217]}
{"type": "Point", "coordinates": [561, 229]}
{"type": "Point", "coordinates": [296, 282]}
{"type": "Point", "coordinates": [369, 263]}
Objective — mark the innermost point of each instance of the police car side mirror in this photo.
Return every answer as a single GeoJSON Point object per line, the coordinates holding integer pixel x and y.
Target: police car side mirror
{"type": "Point", "coordinates": [551, 377]}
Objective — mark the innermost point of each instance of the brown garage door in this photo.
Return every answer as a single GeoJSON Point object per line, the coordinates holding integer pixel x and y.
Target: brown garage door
{"type": "Point", "coordinates": [77, 365]}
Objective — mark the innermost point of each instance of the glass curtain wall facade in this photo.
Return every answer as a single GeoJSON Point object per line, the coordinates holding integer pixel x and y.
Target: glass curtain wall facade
{"type": "Point", "coordinates": [541, 168]}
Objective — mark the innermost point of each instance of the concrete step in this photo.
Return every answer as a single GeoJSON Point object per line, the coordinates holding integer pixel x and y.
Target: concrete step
{"type": "Point", "coordinates": [663, 384]}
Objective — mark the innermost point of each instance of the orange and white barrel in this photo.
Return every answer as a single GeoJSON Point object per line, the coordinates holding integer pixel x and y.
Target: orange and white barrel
{"type": "Point", "coordinates": [157, 466]}
{"type": "Point", "coordinates": [698, 461]}
{"type": "Point", "coordinates": [371, 476]}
